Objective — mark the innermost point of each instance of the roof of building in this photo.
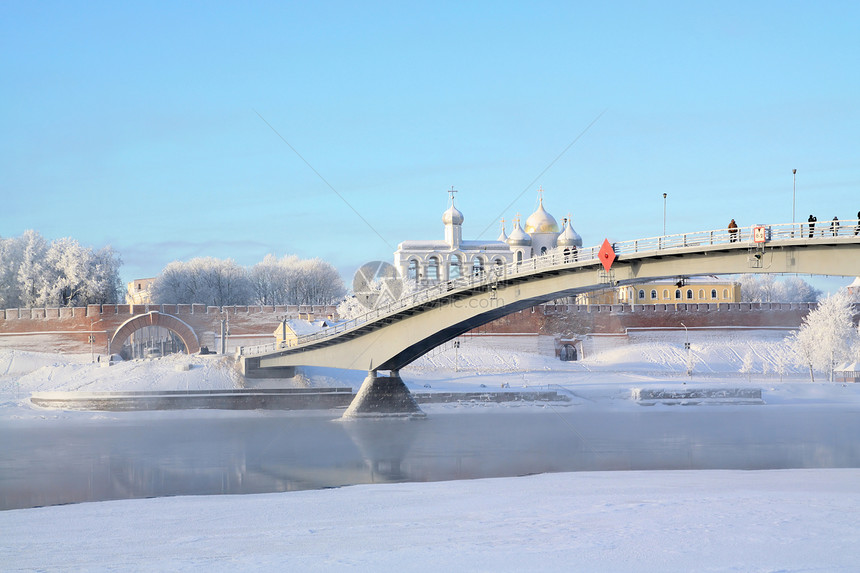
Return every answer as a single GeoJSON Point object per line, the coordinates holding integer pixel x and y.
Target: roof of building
{"type": "Point", "coordinates": [541, 222]}
{"type": "Point", "coordinates": [518, 237]}
{"type": "Point", "coordinates": [452, 216]}
{"type": "Point", "coordinates": [569, 237]}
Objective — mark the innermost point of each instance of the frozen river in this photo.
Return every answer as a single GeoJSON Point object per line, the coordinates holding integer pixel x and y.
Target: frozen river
{"type": "Point", "coordinates": [187, 453]}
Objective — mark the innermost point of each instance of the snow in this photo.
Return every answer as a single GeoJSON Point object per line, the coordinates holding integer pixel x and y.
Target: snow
{"type": "Point", "coordinates": [727, 520]}
{"type": "Point", "coordinates": [791, 520]}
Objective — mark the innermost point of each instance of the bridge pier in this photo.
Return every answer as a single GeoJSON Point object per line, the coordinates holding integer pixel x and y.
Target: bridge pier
{"type": "Point", "coordinates": [383, 397]}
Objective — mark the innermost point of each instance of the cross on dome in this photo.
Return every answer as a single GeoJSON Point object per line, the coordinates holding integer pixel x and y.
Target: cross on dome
{"type": "Point", "coordinates": [452, 191]}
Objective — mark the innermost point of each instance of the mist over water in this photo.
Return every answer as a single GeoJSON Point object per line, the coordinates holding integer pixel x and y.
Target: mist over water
{"type": "Point", "coordinates": [137, 457]}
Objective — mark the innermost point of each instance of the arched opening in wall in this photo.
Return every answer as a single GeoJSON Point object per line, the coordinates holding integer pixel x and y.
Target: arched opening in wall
{"type": "Point", "coordinates": [153, 334]}
{"type": "Point", "coordinates": [689, 294]}
{"type": "Point", "coordinates": [542, 251]}
{"type": "Point", "coordinates": [412, 270]}
{"type": "Point", "coordinates": [677, 293]}
{"type": "Point", "coordinates": [653, 294]}
{"type": "Point", "coordinates": [454, 267]}
{"type": "Point", "coordinates": [152, 342]}
{"type": "Point", "coordinates": [642, 295]}
{"type": "Point", "coordinates": [433, 269]}
{"type": "Point", "coordinates": [713, 293]}
{"type": "Point", "coordinates": [726, 293]}
{"type": "Point", "coordinates": [567, 353]}
{"type": "Point", "coordinates": [519, 257]}
{"type": "Point", "coordinates": [478, 267]}
{"type": "Point", "coordinates": [702, 294]}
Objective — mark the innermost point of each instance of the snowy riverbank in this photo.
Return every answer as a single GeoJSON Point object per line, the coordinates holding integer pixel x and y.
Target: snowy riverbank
{"type": "Point", "coordinates": [788, 520]}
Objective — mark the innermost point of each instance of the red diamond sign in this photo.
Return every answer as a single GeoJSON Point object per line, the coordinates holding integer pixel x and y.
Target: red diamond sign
{"type": "Point", "coordinates": [606, 255]}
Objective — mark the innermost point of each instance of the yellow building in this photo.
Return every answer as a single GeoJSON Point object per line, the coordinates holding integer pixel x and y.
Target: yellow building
{"type": "Point", "coordinates": [704, 289]}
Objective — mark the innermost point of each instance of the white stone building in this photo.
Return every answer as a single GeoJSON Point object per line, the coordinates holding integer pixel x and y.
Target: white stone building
{"type": "Point", "coordinates": [428, 262]}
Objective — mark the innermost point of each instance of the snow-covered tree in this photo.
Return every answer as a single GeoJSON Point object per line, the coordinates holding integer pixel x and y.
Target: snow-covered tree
{"type": "Point", "coordinates": [747, 365]}
{"type": "Point", "coordinates": [206, 280]}
{"type": "Point", "coordinates": [285, 281]}
{"type": "Point", "coordinates": [271, 278]}
{"type": "Point", "coordinates": [34, 272]}
{"type": "Point", "coordinates": [828, 337]}
{"type": "Point", "coordinates": [31, 269]}
{"type": "Point", "coordinates": [767, 288]}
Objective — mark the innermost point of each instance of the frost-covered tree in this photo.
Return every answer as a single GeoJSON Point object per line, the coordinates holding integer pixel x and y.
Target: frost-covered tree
{"type": "Point", "coordinates": [317, 282]}
{"type": "Point", "coordinates": [767, 288]}
{"type": "Point", "coordinates": [271, 278]}
{"type": "Point", "coordinates": [205, 280]}
{"type": "Point", "coordinates": [34, 272]}
{"type": "Point", "coordinates": [285, 281]}
{"type": "Point", "coordinates": [828, 336]}
{"type": "Point", "coordinates": [31, 269]}
{"type": "Point", "coordinates": [747, 365]}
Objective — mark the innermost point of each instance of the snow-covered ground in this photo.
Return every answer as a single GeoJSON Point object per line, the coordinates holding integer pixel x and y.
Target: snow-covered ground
{"type": "Point", "coordinates": [781, 520]}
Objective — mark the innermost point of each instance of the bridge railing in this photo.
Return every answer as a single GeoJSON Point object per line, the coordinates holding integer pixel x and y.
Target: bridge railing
{"type": "Point", "coordinates": [561, 258]}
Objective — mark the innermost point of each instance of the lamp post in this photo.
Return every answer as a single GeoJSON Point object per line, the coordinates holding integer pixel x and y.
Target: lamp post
{"type": "Point", "coordinates": [793, 192]}
{"type": "Point", "coordinates": [93, 339]}
{"type": "Point", "coordinates": [664, 214]}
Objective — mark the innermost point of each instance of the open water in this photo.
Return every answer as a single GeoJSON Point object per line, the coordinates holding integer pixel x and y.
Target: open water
{"type": "Point", "coordinates": [137, 456]}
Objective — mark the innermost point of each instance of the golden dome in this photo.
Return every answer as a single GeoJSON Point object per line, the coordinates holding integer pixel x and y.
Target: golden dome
{"type": "Point", "coordinates": [541, 222]}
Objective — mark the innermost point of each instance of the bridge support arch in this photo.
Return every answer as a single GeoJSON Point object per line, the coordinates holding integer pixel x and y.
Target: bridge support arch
{"type": "Point", "coordinates": [154, 318]}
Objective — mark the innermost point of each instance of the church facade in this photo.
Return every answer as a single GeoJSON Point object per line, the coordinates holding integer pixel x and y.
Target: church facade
{"type": "Point", "coordinates": [452, 257]}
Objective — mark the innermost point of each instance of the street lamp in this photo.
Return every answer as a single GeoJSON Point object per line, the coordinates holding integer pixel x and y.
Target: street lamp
{"type": "Point", "coordinates": [93, 339]}
{"type": "Point", "coordinates": [793, 193]}
{"type": "Point", "coordinates": [664, 214]}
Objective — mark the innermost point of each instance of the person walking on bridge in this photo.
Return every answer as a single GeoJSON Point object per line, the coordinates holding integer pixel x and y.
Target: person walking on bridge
{"type": "Point", "coordinates": [812, 219]}
{"type": "Point", "coordinates": [834, 226]}
{"type": "Point", "coordinates": [857, 228]}
{"type": "Point", "coordinates": [733, 231]}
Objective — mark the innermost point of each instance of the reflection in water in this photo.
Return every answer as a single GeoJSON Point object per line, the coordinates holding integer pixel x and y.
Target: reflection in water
{"type": "Point", "coordinates": [41, 464]}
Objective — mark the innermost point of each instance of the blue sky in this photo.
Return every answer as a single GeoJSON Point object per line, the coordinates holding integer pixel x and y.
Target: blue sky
{"type": "Point", "coordinates": [140, 125]}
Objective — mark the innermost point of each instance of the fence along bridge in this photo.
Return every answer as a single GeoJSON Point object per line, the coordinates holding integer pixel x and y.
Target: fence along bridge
{"type": "Point", "coordinates": [395, 334]}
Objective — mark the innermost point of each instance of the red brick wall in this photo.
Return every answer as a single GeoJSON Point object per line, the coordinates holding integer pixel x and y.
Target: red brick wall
{"type": "Point", "coordinates": [68, 329]}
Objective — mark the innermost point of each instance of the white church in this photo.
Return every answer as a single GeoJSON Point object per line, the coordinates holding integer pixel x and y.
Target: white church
{"type": "Point", "coordinates": [428, 262]}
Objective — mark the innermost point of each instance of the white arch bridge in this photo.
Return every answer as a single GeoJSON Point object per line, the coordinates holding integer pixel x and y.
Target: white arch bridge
{"type": "Point", "coordinates": [392, 336]}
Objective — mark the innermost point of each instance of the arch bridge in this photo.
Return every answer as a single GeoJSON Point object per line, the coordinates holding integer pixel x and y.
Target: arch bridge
{"type": "Point", "coordinates": [392, 336]}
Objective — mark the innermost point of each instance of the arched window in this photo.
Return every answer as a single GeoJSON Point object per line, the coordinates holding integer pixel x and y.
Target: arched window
{"type": "Point", "coordinates": [499, 262]}
{"type": "Point", "coordinates": [665, 294]}
{"type": "Point", "coordinates": [689, 294]}
{"type": "Point", "coordinates": [519, 257]}
{"type": "Point", "coordinates": [678, 293]}
{"type": "Point", "coordinates": [412, 271]}
{"type": "Point", "coordinates": [478, 267]}
{"type": "Point", "coordinates": [433, 269]}
{"type": "Point", "coordinates": [542, 251]}
{"type": "Point", "coordinates": [702, 294]}
{"type": "Point", "coordinates": [641, 295]}
{"type": "Point", "coordinates": [653, 295]}
{"type": "Point", "coordinates": [725, 293]}
{"type": "Point", "coordinates": [713, 293]}
{"type": "Point", "coordinates": [454, 267]}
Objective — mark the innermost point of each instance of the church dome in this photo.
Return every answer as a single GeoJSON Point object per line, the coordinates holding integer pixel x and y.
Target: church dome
{"type": "Point", "coordinates": [452, 216]}
{"type": "Point", "coordinates": [518, 237]}
{"type": "Point", "coordinates": [541, 222]}
{"type": "Point", "coordinates": [569, 237]}
{"type": "Point", "coordinates": [503, 236]}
